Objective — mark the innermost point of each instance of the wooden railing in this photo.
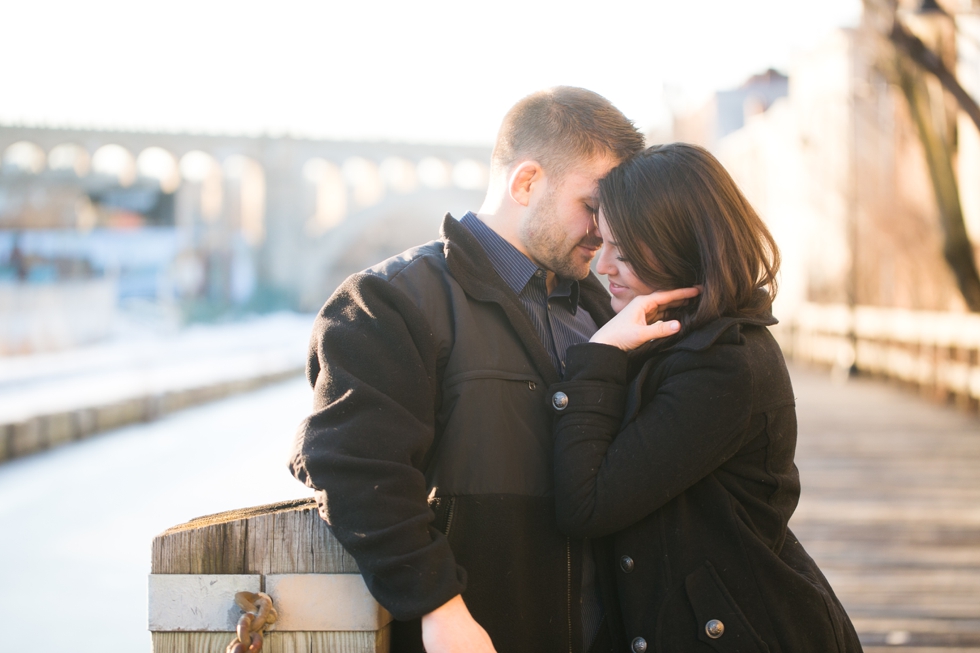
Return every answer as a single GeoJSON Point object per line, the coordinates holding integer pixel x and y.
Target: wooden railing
{"type": "Point", "coordinates": [933, 351]}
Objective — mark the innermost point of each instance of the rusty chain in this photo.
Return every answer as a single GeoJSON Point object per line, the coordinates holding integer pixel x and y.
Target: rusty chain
{"type": "Point", "coordinates": [259, 613]}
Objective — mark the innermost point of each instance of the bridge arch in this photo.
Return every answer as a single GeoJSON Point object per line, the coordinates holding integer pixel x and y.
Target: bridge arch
{"type": "Point", "coordinates": [70, 157]}
{"type": "Point", "coordinates": [160, 165]}
{"type": "Point", "coordinates": [399, 174]}
{"type": "Point", "coordinates": [245, 190]}
{"type": "Point", "coordinates": [470, 174]}
{"type": "Point", "coordinates": [364, 179]}
{"type": "Point", "coordinates": [204, 196]}
{"type": "Point", "coordinates": [23, 157]}
{"type": "Point", "coordinates": [115, 162]}
{"type": "Point", "coordinates": [434, 172]}
{"type": "Point", "coordinates": [330, 195]}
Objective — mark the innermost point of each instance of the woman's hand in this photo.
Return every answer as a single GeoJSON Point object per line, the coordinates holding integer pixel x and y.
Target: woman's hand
{"type": "Point", "coordinates": [641, 320]}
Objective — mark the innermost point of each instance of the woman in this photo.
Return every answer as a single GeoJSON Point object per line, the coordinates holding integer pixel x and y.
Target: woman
{"type": "Point", "coordinates": [681, 447]}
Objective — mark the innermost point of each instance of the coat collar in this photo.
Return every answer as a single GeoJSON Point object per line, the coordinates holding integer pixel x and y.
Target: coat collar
{"type": "Point", "coordinates": [710, 333]}
{"type": "Point", "coordinates": [471, 267]}
{"type": "Point", "coordinates": [726, 330]}
{"type": "Point", "coordinates": [703, 337]}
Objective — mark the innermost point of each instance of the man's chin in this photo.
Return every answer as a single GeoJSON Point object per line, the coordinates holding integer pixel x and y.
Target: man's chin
{"type": "Point", "coordinates": [580, 273]}
{"type": "Point", "coordinates": [582, 266]}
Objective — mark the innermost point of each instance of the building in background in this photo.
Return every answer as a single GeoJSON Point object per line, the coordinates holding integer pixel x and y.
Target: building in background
{"type": "Point", "coordinates": [728, 111]}
{"type": "Point", "coordinates": [837, 169]}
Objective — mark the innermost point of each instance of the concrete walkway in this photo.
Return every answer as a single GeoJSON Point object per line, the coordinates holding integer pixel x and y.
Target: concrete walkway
{"type": "Point", "coordinates": [47, 400]}
{"type": "Point", "coordinates": [890, 510]}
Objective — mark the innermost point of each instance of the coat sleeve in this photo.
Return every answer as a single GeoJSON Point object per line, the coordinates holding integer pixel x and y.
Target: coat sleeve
{"type": "Point", "coordinates": [373, 369]}
{"type": "Point", "coordinates": [608, 477]}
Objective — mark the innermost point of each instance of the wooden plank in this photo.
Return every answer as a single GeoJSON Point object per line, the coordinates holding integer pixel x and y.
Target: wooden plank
{"type": "Point", "coordinates": [890, 510]}
{"type": "Point", "coordinates": [281, 542]}
{"type": "Point", "coordinates": [211, 548]}
{"type": "Point", "coordinates": [275, 642]}
{"type": "Point", "coordinates": [191, 642]}
{"type": "Point", "coordinates": [328, 554]}
{"type": "Point", "coordinates": [284, 538]}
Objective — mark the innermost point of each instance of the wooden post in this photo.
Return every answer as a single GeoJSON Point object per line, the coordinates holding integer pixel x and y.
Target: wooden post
{"type": "Point", "coordinates": [284, 549]}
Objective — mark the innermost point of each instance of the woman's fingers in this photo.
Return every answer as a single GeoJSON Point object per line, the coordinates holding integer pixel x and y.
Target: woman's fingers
{"type": "Point", "coordinates": [677, 294]}
{"type": "Point", "coordinates": [656, 302]}
{"type": "Point", "coordinates": [662, 329]}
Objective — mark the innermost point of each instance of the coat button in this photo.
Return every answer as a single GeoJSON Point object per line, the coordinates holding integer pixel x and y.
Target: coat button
{"type": "Point", "coordinates": [626, 564]}
{"type": "Point", "coordinates": [559, 401]}
{"type": "Point", "coordinates": [714, 628]}
{"type": "Point", "coordinates": [639, 645]}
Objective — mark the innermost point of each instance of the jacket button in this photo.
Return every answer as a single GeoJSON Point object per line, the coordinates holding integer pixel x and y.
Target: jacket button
{"type": "Point", "coordinates": [559, 401]}
{"type": "Point", "coordinates": [639, 645]}
{"type": "Point", "coordinates": [626, 564]}
{"type": "Point", "coordinates": [714, 628]}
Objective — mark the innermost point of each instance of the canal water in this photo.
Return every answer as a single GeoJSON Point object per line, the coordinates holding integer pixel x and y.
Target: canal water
{"type": "Point", "coordinates": [76, 523]}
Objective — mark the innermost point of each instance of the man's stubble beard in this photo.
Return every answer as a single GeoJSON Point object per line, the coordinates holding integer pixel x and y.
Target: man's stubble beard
{"type": "Point", "coordinates": [546, 239]}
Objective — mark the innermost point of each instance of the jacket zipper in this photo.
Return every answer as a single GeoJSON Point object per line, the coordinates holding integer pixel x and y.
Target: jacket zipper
{"type": "Point", "coordinates": [449, 517]}
{"type": "Point", "coordinates": [568, 561]}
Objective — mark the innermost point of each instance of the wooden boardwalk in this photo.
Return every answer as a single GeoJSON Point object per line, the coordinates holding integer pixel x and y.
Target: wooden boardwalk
{"type": "Point", "coordinates": [890, 510]}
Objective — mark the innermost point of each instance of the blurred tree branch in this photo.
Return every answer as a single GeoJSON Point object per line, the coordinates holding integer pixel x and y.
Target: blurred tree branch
{"type": "Point", "coordinates": [906, 57]}
{"type": "Point", "coordinates": [913, 47]}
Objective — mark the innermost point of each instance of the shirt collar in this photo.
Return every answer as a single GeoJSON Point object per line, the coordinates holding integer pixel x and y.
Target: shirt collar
{"type": "Point", "coordinates": [514, 267]}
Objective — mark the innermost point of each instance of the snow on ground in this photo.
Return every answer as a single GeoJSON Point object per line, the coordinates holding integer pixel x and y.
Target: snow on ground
{"type": "Point", "coordinates": [76, 523]}
{"type": "Point", "coordinates": [147, 362]}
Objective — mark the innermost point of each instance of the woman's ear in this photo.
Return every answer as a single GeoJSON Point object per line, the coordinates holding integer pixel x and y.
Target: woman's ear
{"type": "Point", "coordinates": [524, 179]}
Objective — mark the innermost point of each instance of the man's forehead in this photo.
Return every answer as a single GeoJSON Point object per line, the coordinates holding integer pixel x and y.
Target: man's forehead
{"type": "Point", "coordinates": [589, 172]}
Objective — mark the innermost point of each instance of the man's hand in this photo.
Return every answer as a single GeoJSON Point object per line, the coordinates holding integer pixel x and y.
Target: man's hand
{"type": "Point", "coordinates": [451, 628]}
{"type": "Point", "coordinates": [641, 320]}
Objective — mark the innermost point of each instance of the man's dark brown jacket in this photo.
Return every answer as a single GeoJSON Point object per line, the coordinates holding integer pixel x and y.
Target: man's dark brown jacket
{"type": "Point", "coordinates": [430, 445]}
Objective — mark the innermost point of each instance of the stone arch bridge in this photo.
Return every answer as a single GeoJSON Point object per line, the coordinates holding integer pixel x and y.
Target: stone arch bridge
{"type": "Point", "coordinates": [308, 211]}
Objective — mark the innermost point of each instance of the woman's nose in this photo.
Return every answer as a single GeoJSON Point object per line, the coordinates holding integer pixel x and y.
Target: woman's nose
{"type": "Point", "coordinates": [602, 264]}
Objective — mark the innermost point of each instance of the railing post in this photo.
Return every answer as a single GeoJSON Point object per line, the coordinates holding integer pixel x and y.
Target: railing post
{"type": "Point", "coordinates": [283, 549]}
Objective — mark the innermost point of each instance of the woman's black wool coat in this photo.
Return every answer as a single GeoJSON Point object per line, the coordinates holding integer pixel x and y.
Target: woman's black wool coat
{"type": "Point", "coordinates": [682, 454]}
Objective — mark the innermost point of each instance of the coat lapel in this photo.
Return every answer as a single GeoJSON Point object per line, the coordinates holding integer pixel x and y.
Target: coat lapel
{"type": "Point", "coordinates": [472, 269]}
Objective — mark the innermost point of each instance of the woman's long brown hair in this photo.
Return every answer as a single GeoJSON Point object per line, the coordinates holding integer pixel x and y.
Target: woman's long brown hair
{"type": "Point", "coordinates": [680, 220]}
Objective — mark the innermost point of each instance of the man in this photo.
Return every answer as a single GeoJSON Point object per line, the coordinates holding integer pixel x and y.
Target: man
{"type": "Point", "coordinates": [430, 444]}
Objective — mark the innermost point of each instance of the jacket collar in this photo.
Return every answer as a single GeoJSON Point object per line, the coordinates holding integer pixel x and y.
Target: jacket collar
{"type": "Point", "coordinates": [513, 266]}
{"type": "Point", "coordinates": [710, 333]}
{"type": "Point", "coordinates": [726, 329]}
{"type": "Point", "coordinates": [703, 337]}
{"type": "Point", "coordinates": [471, 267]}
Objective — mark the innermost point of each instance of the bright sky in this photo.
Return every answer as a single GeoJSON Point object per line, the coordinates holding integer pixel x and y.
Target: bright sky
{"type": "Point", "coordinates": [420, 71]}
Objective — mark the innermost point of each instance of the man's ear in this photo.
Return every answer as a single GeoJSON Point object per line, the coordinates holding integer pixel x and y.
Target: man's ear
{"type": "Point", "coordinates": [524, 179]}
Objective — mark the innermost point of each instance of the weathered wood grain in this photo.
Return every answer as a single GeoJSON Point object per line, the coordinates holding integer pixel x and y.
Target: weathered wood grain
{"type": "Point", "coordinates": [284, 538]}
{"type": "Point", "coordinates": [340, 642]}
{"type": "Point", "coordinates": [191, 642]}
{"type": "Point", "coordinates": [890, 510]}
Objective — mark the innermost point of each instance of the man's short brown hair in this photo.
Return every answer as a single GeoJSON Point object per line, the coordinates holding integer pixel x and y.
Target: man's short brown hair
{"type": "Point", "coordinates": [561, 126]}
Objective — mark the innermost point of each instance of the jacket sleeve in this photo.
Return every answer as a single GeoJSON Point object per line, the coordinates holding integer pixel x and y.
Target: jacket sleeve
{"type": "Point", "coordinates": [608, 476]}
{"type": "Point", "coordinates": [373, 365]}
